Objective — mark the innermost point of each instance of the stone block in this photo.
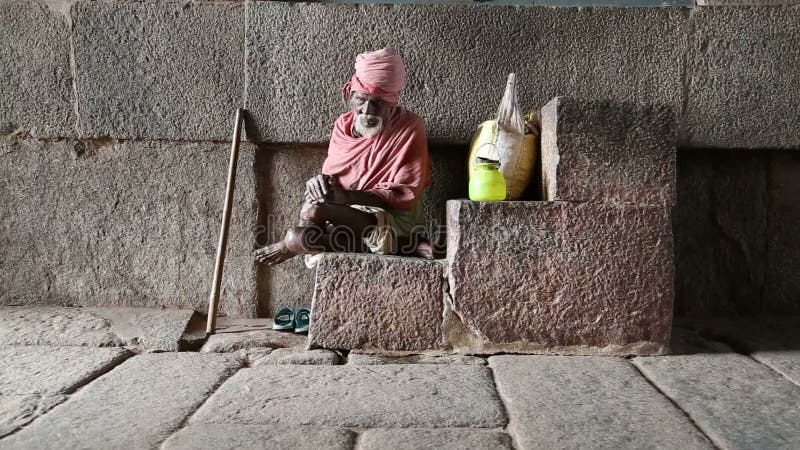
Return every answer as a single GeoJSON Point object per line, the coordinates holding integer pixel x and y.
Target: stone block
{"type": "Point", "coordinates": [782, 277]}
{"type": "Point", "coordinates": [392, 396]}
{"type": "Point", "coordinates": [81, 226]}
{"type": "Point", "coordinates": [558, 277]}
{"type": "Point", "coordinates": [720, 224]}
{"type": "Point", "coordinates": [251, 437]}
{"type": "Point", "coordinates": [36, 95]}
{"type": "Point", "coordinates": [364, 301]}
{"type": "Point", "coordinates": [299, 356]}
{"type": "Point", "coordinates": [457, 58]}
{"type": "Point", "coordinates": [361, 358]}
{"type": "Point", "coordinates": [550, 398]}
{"type": "Point", "coordinates": [140, 328]}
{"type": "Point", "coordinates": [137, 405]}
{"type": "Point", "coordinates": [734, 400]}
{"type": "Point", "coordinates": [146, 71]}
{"type": "Point", "coordinates": [45, 370]}
{"type": "Point", "coordinates": [603, 151]}
{"type": "Point", "coordinates": [743, 83]}
{"type": "Point", "coordinates": [18, 410]}
{"type": "Point", "coordinates": [233, 335]}
{"type": "Point", "coordinates": [441, 439]}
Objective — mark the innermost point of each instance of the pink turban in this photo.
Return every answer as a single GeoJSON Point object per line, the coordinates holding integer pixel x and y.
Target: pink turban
{"type": "Point", "coordinates": [380, 73]}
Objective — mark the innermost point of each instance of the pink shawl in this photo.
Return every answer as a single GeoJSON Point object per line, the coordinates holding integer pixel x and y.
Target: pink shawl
{"type": "Point", "coordinates": [393, 165]}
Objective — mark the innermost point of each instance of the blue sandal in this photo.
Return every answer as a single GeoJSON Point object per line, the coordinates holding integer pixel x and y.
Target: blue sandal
{"type": "Point", "coordinates": [302, 319]}
{"type": "Point", "coordinates": [284, 319]}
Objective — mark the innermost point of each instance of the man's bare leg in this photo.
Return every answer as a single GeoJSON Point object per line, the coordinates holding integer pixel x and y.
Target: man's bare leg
{"type": "Point", "coordinates": [349, 225]}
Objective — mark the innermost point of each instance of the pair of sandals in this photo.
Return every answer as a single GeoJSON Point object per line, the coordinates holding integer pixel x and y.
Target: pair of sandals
{"type": "Point", "coordinates": [289, 319]}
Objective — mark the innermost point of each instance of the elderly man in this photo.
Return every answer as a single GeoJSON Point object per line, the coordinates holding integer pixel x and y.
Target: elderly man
{"type": "Point", "coordinates": [369, 194]}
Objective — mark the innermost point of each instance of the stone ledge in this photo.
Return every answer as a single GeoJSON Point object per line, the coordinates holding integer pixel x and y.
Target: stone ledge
{"type": "Point", "coordinates": [557, 277]}
{"type": "Point", "coordinates": [364, 301]}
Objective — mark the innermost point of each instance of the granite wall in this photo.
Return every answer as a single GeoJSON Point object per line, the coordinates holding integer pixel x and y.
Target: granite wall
{"type": "Point", "coordinates": [114, 118]}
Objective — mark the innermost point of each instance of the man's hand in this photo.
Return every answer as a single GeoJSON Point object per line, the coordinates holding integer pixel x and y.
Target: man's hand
{"type": "Point", "coordinates": [325, 189]}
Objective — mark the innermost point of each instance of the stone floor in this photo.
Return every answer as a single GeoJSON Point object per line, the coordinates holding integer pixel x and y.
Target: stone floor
{"type": "Point", "coordinates": [101, 379]}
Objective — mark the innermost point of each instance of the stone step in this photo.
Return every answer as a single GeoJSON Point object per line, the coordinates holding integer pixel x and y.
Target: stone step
{"type": "Point", "coordinates": [559, 277]}
{"type": "Point", "coordinates": [365, 301]}
{"type": "Point", "coordinates": [603, 151]}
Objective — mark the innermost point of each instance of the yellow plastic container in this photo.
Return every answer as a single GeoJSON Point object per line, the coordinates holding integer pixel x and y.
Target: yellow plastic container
{"type": "Point", "coordinates": [487, 184]}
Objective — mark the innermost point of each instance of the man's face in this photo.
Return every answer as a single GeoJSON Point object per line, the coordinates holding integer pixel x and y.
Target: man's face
{"type": "Point", "coordinates": [371, 113]}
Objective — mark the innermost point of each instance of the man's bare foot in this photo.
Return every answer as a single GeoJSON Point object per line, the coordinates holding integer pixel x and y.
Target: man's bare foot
{"type": "Point", "coordinates": [273, 254]}
{"type": "Point", "coordinates": [424, 249]}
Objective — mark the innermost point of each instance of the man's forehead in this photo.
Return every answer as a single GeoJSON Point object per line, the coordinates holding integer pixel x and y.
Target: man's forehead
{"type": "Point", "coordinates": [365, 96]}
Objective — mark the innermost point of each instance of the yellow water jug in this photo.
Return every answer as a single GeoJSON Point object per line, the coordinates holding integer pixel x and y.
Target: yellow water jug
{"type": "Point", "coordinates": [516, 165]}
{"type": "Point", "coordinates": [487, 183]}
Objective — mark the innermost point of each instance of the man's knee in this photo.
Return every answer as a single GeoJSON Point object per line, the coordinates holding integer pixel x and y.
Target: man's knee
{"type": "Point", "coordinates": [312, 212]}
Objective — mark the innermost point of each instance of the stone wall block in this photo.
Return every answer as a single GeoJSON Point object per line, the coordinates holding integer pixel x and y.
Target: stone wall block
{"type": "Point", "coordinates": [744, 86]}
{"type": "Point", "coordinates": [366, 301]}
{"type": "Point", "coordinates": [558, 277]}
{"type": "Point", "coordinates": [123, 224]}
{"type": "Point", "coordinates": [166, 70]}
{"type": "Point", "coordinates": [36, 89]}
{"type": "Point", "coordinates": [605, 151]}
{"type": "Point", "coordinates": [458, 57]}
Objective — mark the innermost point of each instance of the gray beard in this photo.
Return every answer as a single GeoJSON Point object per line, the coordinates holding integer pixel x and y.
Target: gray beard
{"type": "Point", "coordinates": [360, 125]}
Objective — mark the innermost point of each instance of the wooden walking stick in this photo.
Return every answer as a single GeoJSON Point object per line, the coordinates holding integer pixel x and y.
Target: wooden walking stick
{"type": "Point", "coordinates": [213, 300]}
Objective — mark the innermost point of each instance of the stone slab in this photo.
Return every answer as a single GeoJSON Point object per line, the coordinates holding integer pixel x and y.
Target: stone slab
{"type": "Point", "coordinates": [144, 71]}
{"type": "Point", "coordinates": [299, 356]}
{"type": "Point", "coordinates": [588, 402]}
{"type": "Point", "coordinates": [734, 400]}
{"type": "Point", "coordinates": [137, 405]}
{"type": "Point", "coordinates": [232, 335]}
{"type": "Point", "coordinates": [557, 277]}
{"type": "Point", "coordinates": [114, 240]}
{"type": "Point", "coordinates": [428, 396]}
{"type": "Point", "coordinates": [47, 370]}
{"type": "Point", "coordinates": [250, 437]}
{"type": "Point", "coordinates": [443, 439]}
{"type": "Point", "coordinates": [459, 50]}
{"type": "Point", "coordinates": [141, 328]}
{"type": "Point", "coordinates": [357, 358]}
{"type": "Point", "coordinates": [743, 87]}
{"type": "Point", "coordinates": [720, 224]}
{"type": "Point", "coordinates": [18, 410]}
{"type": "Point", "coordinates": [364, 301]}
{"type": "Point", "coordinates": [36, 95]}
{"type": "Point", "coordinates": [605, 151]}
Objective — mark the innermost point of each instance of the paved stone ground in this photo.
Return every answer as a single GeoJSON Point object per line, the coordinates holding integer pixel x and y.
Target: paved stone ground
{"type": "Point", "coordinates": [728, 385]}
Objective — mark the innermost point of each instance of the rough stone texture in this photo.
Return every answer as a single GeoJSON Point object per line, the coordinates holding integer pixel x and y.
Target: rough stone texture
{"type": "Point", "coordinates": [458, 57]}
{"type": "Point", "coordinates": [146, 71]}
{"type": "Point", "coordinates": [81, 226]}
{"type": "Point", "coordinates": [735, 401]}
{"type": "Point", "coordinates": [137, 405]}
{"type": "Point", "coordinates": [299, 356]}
{"type": "Point", "coordinates": [415, 439]}
{"type": "Point", "coordinates": [17, 411]}
{"type": "Point", "coordinates": [742, 90]}
{"type": "Point", "coordinates": [281, 172]}
{"type": "Point", "coordinates": [146, 329]}
{"type": "Point", "coordinates": [782, 278]}
{"type": "Point", "coordinates": [561, 277]}
{"type": "Point", "coordinates": [370, 301]}
{"type": "Point", "coordinates": [36, 92]}
{"type": "Point", "coordinates": [603, 151]}
{"type": "Point", "coordinates": [549, 398]}
{"type": "Point", "coordinates": [233, 335]}
{"type": "Point", "coordinates": [433, 396]}
{"type": "Point", "coordinates": [55, 326]}
{"type": "Point", "coordinates": [720, 227]}
{"type": "Point", "coordinates": [45, 370]}
{"type": "Point", "coordinates": [250, 437]}
{"type": "Point", "coordinates": [358, 358]}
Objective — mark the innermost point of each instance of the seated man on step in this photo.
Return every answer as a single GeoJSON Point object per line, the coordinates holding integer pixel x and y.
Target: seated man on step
{"type": "Point", "coordinates": [369, 194]}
